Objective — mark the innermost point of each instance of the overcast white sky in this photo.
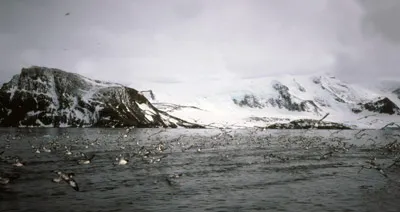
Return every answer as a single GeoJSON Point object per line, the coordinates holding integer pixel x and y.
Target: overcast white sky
{"type": "Point", "coordinates": [148, 43]}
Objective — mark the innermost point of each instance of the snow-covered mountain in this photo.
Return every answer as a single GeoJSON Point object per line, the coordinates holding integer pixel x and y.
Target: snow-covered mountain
{"type": "Point", "coordinates": [281, 99]}
{"type": "Point", "coordinates": [40, 96]}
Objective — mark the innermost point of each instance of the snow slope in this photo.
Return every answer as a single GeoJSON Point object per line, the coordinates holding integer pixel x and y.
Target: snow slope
{"type": "Point", "coordinates": [280, 99]}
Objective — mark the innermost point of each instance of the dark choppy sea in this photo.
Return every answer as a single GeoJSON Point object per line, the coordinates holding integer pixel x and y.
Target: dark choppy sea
{"type": "Point", "coordinates": [201, 170]}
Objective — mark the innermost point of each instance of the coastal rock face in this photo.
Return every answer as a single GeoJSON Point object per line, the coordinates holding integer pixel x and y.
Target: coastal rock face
{"type": "Point", "coordinates": [40, 96]}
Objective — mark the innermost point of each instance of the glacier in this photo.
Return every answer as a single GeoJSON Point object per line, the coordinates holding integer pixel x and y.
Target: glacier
{"type": "Point", "coordinates": [265, 101]}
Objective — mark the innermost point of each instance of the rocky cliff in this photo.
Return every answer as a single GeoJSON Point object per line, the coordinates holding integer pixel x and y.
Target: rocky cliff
{"type": "Point", "coordinates": [41, 96]}
{"type": "Point", "coordinates": [382, 105]}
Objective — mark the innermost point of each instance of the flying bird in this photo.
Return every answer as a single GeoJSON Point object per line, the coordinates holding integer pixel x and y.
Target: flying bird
{"type": "Point", "coordinates": [67, 14]}
{"type": "Point", "coordinates": [68, 178]}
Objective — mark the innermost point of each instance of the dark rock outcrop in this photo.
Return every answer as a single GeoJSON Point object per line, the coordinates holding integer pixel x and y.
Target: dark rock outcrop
{"type": "Point", "coordinates": [356, 110]}
{"type": "Point", "coordinates": [308, 124]}
{"type": "Point", "coordinates": [284, 100]}
{"type": "Point", "coordinates": [383, 105]}
{"type": "Point", "coordinates": [40, 96]}
{"type": "Point", "coordinates": [248, 100]}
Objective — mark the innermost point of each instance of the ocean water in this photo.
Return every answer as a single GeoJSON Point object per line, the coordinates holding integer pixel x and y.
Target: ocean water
{"type": "Point", "coordinates": [201, 170]}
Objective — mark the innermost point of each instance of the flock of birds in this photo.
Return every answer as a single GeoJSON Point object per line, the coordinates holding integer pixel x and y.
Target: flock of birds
{"type": "Point", "coordinates": [74, 151]}
{"type": "Point", "coordinates": [324, 148]}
